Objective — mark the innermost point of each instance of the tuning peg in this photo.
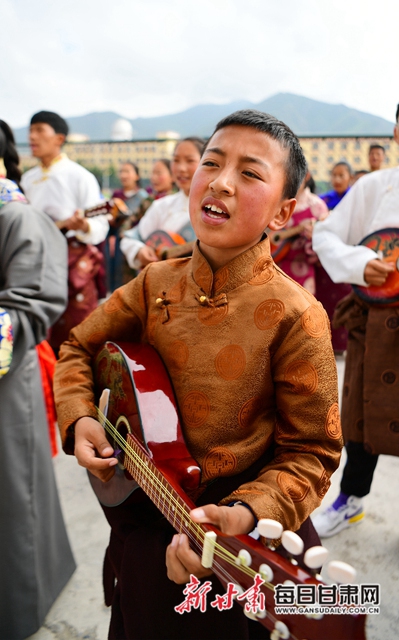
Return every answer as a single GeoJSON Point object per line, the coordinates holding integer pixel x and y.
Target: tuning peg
{"type": "Point", "coordinates": [293, 544]}
{"type": "Point", "coordinates": [269, 529]}
{"type": "Point", "coordinates": [244, 558]}
{"type": "Point", "coordinates": [341, 572]}
{"type": "Point", "coordinates": [315, 557]}
{"type": "Point", "coordinates": [280, 631]}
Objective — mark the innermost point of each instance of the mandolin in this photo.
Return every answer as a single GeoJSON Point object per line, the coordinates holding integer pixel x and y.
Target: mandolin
{"type": "Point", "coordinates": [115, 208]}
{"type": "Point", "coordinates": [385, 243]}
{"type": "Point", "coordinates": [140, 415]}
{"type": "Point", "coordinates": [169, 245]}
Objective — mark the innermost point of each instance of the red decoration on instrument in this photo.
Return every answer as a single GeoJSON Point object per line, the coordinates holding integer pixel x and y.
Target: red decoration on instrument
{"type": "Point", "coordinates": [385, 243]}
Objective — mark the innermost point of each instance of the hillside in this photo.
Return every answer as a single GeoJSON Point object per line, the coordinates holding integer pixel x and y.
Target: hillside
{"type": "Point", "coordinates": [304, 115]}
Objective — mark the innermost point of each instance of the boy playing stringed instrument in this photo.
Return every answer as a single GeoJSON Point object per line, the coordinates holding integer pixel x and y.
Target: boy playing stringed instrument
{"type": "Point", "coordinates": [250, 358]}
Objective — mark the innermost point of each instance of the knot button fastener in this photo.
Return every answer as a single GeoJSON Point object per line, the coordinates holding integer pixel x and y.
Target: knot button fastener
{"type": "Point", "coordinates": [159, 302]}
{"type": "Point", "coordinates": [203, 299]}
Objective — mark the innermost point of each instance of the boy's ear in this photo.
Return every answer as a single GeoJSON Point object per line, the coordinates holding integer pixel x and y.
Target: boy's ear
{"type": "Point", "coordinates": [281, 218]}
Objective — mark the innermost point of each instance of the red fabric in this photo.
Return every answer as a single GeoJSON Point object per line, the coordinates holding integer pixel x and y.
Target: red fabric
{"type": "Point", "coordinates": [47, 362]}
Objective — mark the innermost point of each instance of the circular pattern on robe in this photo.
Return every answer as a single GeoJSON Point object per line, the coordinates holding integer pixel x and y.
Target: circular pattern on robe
{"type": "Point", "coordinates": [178, 354]}
{"type": "Point", "coordinates": [333, 422]}
{"type": "Point", "coordinates": [220, 278]}
{"type": "Point", "coordinates": [230, 362]}
{"type": "Point", "coordinates": [322, 485]}
{"type": "Point", "coordinates": [394, 426]}
{"type": "Point", "coordinates": [195, 409]}
{"type": "Point", "coordinates": [210, 316]}
{"type": "Point", "coordinates": [114, 303]}
{"type": "Point", "coordinates": [263, 271]}
{"type": "Point", "coordinates": [313, 321]}
{"type": "Point", "coordinates": [218, 461]}
{"type": "Point", "coordinates": [360, 425]}
{"type": "Point", "coordinates": [293, 487]}
{"type": "Point", "coordinates": [389, 377]}
{"type": "Point", "coordinates": [269, 313]}
{"type": "Point", "coordinates": [392, 322]}
{"type": "Point", "coordinates": [248, 409]}
{"type": "Point", "coordinates": [303, 377]}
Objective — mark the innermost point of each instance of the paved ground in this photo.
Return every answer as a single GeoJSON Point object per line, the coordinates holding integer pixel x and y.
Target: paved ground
{"type": "Point", "coordinates": [372, 548]}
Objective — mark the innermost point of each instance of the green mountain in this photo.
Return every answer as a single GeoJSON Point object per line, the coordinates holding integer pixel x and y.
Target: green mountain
{"type": "Point", "coordinates": [304, 115]}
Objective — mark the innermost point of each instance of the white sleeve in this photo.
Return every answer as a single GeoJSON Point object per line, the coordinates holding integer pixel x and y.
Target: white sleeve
{"type": "Point", "coordinates": [132, 240]}
{"type": "Point", "coordinates": [335, 239]}
{"type": "Point", "coordinates": [98, 231]}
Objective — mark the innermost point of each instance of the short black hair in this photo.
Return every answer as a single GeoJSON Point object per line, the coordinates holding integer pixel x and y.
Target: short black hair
{"type": "Point", "coordinates": [295, 166]}
{"type": "Point", "coordinates": [53, 119]}
{"type": "Point", "coordinates": [376, 146]}
{"type": "Point", "coordinates": [397, 115]}
{"type": "Point", "coordinates": [9, 153]}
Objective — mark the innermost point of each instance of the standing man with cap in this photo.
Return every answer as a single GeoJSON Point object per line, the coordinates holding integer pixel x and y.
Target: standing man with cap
{"type": "Point", "coordinates": [60, 187]}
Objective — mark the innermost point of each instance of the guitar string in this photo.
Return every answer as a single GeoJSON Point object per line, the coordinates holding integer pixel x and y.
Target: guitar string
{"type": "Point", "coordinates": [227, 556]}
{"type": "Point", "coordinates": [190, 524]}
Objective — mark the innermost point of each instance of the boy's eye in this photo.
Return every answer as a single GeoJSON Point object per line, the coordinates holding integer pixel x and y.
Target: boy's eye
{"type": "Point", "coordinates": [209, 163]}
{"type": "Point", "coordinates": [250, 174]}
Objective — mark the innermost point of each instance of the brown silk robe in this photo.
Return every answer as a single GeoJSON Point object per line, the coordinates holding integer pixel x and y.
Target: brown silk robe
{"type": "Point", "coordinates": [250, 357]}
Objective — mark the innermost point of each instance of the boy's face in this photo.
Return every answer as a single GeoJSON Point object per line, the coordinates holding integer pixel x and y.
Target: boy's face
{"type": "Point", "coordinates": [242, 176]}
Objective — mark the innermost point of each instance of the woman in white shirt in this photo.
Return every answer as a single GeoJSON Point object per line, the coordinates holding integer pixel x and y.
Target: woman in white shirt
{"type": "Point", "coordinates": [168, 214]}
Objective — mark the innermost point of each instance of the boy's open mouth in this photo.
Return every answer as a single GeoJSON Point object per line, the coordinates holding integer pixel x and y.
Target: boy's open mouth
{"type": "Point", "coordinates": [215, 209]}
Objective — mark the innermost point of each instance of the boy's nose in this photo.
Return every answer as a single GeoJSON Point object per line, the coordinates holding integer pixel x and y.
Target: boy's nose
{"type": "Point", "coordinates": [222, 184]}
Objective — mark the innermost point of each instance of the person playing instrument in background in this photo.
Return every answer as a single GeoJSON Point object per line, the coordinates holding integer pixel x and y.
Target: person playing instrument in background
{"type": "Point", "coordinates": [60, 188]}
{"type": "Point", "coordinates": [294, 242]}
{"type": "Point", "coordinates": [134, 197]}
{"type": "Point", "coordinates": [370, 404]}
{"type": "Point", "coordinates": [168, 214]}
{"type": "Point", "coordinates": [36, 560]}
{"type": "Point", "coordinates": [328, 292]}
{"type": "Point", "coordinates": [250, 358]}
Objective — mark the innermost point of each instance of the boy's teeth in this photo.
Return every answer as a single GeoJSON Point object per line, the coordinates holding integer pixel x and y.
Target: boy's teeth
{"type": "Point", "coordinates": [214, 208]}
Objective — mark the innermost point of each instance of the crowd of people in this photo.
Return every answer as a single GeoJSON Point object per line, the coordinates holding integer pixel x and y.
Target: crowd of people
{"type": "Point", "coordinates": [261, 251]}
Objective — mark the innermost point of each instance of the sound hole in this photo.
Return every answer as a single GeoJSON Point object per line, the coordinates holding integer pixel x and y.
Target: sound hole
{"type": "Point", "coordinates": [123, 428]}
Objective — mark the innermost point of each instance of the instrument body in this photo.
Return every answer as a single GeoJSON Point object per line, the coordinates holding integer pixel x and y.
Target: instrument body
{"type": "Point", "coordinates": [385, 243]}
{"type": "Point", "coordinates": [169, 245]}
{"type": "Point", "coordinates": [153, 456]}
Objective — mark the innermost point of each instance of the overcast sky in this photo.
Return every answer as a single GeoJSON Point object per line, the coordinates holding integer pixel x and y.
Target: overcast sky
{"type": "Point", "coordinates": [151, 57]}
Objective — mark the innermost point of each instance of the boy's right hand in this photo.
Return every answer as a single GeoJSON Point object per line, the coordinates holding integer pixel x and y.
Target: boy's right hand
{"type": "Point", "coordinates": [146, 255]}
{"type": "Point", "coordinates": [377, 271]}
{"type": "Point", "coordinates": [92, 449]}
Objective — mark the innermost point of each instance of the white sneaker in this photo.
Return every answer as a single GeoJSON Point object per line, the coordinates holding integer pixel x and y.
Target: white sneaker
{"type": "Point", "coordinates": [330, 521]}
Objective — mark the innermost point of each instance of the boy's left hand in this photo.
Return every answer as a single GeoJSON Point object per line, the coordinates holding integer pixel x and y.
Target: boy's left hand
{"type": "Point", "coordinates": [181, 560]}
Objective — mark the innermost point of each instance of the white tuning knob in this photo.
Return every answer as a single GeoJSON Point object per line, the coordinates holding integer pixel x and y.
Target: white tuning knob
{"type": "Point", "coordinates": [269, 529]}
{"type": "Point", "coordinates": [341, 572]}
{"type": "Point", "coordinates": [244, 558]}
{"type": "Point", "coordinates": [266, 572]}
{"type": "Point", "coordinates": [280, 631]}
{"type": "Point", "coordinates": [292, 543]}
{"type": "Point", "coordinates": [315, 557]}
